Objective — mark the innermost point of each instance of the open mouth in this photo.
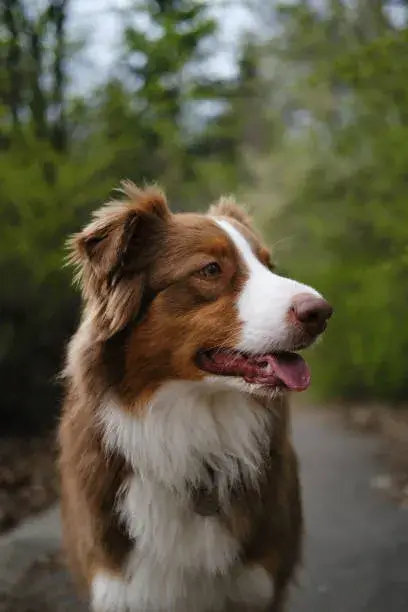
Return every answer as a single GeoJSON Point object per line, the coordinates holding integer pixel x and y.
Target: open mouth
{"type": "Point", "coordinates": [283, 370]}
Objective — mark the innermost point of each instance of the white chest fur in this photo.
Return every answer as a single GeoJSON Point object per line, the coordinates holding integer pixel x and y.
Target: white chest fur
{"type": "Point", "coordinates": [183, 562]}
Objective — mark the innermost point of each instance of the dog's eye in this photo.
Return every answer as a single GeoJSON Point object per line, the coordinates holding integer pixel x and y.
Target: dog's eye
{"type": "Point", "coordinates": [211, 270]}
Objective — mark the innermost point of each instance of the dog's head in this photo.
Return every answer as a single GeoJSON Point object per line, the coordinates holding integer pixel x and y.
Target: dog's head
{"type": "Point", "coordinates": [194, 297]}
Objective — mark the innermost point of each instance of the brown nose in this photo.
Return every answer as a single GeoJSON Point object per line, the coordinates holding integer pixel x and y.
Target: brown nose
{"type": "Point", "coordinates": [312, 312]}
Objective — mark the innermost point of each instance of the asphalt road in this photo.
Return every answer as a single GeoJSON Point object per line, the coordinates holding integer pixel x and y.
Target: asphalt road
{"type": "Point", "coordinates": [356, 557]}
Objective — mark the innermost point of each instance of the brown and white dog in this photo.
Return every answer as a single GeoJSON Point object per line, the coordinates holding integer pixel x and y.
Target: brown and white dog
{"type": "Point", "coordinates": [179, 482]}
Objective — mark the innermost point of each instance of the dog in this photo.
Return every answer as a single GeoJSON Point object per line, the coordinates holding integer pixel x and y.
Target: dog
{"type": "Point", "coordinates": [179, 483]}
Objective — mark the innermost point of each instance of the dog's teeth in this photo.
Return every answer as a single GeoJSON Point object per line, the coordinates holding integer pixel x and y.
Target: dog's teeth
{"type": "Point", "coordinates": [269, 369]}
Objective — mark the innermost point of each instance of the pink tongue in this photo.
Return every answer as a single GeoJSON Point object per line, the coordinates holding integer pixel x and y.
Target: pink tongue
{"type": "Point", "coordinates": [289, 368]}
{"type": "Point", "coordinates": [268, 369]}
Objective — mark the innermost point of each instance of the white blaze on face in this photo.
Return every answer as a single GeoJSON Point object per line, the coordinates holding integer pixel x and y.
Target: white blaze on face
{"type": "Point", "coordinates": [264, 301]}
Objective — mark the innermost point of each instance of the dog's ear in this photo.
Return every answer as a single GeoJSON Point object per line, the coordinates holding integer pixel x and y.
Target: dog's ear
{"type": "Point", "coordinates": [228, 207]}
{"type": "Point", "coordinates": [113, 254]}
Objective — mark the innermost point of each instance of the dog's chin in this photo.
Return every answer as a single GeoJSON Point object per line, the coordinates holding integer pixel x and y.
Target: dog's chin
{"type": "Point", "coordinates": [236, 383]}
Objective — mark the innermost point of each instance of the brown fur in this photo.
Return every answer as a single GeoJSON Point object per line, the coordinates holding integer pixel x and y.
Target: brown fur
{"type": "Point", "coordinates": [269, 523]}
{"type": "Point", "coordinates": [139, 269]}
{"type": "Point", "coordinates": [90, 483]}
{"type": "Point", "coordinates": [227, 207]}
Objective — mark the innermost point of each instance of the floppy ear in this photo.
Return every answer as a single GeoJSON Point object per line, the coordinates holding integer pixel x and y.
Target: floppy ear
{"type": "Point", "coordinates": [113, 253]}
{"type": "Point", "coordinates": [228, 207]}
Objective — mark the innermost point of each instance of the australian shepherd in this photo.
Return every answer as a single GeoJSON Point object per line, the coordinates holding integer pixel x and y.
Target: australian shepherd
{"type": "Point", "coordinates": [180, 487]}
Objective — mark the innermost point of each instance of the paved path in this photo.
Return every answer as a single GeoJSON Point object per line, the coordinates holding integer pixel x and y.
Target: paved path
{"type": "Point", "coordinates": [357, 545]}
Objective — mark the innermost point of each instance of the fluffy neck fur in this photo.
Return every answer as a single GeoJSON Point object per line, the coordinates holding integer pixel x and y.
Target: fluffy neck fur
{"type": "Point", "coordinates": [188, 428]}
{"type": "Point", "coordinates": [190, 436]}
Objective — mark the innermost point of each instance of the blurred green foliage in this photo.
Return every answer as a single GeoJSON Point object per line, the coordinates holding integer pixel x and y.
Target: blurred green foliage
{"type": "Point", "coordinates": [311, 131]}
{"type": "Point", "coordinates": [346, 219]}
{"type": "Point", "coordinates": [62, 154]}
